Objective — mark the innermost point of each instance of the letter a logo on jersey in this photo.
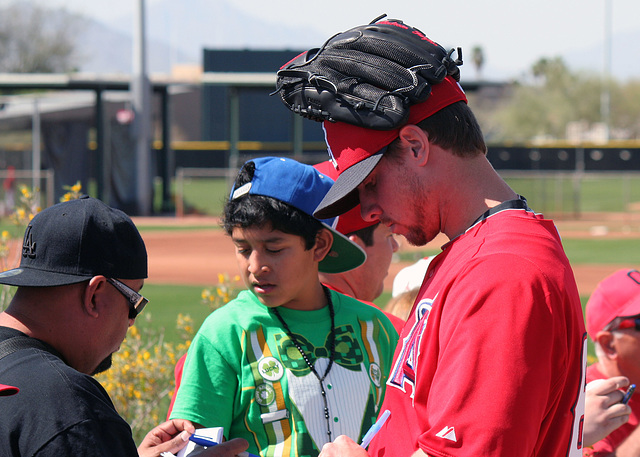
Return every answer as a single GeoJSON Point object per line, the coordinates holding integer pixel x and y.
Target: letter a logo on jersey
{"type": "Point", "coordinates": [448, 433]}
{"type": "Point", "coordinates": [404, 369]}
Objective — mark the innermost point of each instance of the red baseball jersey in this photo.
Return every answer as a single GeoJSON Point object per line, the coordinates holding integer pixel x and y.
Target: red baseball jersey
{"type": "Point", "coordinates": [492, 359]}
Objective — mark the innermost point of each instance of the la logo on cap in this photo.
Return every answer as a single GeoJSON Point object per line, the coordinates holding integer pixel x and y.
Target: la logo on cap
{"type": "Point", "coordinates": [28, 246]}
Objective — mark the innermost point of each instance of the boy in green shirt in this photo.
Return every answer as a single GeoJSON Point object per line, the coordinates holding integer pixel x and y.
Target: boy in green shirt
{"type": "Point", "coordinates": [288, 365]}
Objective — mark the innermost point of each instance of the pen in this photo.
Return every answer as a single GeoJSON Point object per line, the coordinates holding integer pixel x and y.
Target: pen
{"type": "Point", "coordinates": [375, 428]}
{"type": "Point", "coordinates": [202, 440]}
{"type": "Point", "coordinates": [628, 394]}
{"type": "Point", "coordinates": [206, 442]}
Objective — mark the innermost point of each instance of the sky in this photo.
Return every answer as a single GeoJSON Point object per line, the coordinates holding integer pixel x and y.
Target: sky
{"type": "Point", "coordinates": [514, 34]}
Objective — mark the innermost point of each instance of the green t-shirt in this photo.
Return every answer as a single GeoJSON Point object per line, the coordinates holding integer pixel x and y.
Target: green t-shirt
{"type": "Point", "coordinates": [243, 373]}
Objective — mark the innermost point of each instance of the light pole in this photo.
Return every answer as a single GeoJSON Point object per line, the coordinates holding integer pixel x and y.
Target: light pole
{"type": "Point", "coordinates": [605, 96]}
{"type": "Point", "coordinates": [141, 102]}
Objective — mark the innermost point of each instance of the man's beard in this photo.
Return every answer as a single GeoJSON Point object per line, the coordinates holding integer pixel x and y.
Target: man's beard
{"type": "Point", "coordinates": [417, 234]}
{"type": "Point", "coordinates": [104, 365]}
{"type": "Point", "coordinates": [417, 237]}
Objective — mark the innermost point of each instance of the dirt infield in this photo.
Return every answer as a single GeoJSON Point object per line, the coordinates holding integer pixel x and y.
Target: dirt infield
{"type": "Point", "coordinates": [197, 256]}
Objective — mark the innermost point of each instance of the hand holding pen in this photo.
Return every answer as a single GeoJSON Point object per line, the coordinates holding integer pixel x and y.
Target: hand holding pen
{"type": "Point", "coordinates": [345, 446]}
{"type": "Point", "coordinates": [605, 408]}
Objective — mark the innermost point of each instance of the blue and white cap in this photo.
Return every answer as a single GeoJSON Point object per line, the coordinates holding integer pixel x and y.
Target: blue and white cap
{"type": "Point", "coordinates": [302, 187]}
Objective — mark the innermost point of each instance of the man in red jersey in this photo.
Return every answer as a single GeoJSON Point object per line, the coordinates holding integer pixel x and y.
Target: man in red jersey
{"type": "Point", "coordinates": [491, 360]}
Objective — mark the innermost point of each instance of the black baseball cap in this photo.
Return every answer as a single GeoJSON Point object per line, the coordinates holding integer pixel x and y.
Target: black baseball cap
{"type": "Point", "coordinates": [73, 241]}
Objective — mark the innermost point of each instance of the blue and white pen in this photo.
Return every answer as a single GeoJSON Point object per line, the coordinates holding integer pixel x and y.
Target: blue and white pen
{"type": "Point", "coordinates": [375, 428]}
{"type": "Point", "coordinates": [202, 440]}
{"type": "Point", "coordinates": [207, 442]}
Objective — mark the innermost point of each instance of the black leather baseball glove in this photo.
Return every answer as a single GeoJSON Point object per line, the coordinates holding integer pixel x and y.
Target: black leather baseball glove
{"type": "Point", "coordinates": [367, 76]}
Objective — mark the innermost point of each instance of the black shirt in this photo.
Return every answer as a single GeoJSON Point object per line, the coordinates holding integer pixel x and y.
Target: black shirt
{"type": "Point", "coordinates": [58, 411]}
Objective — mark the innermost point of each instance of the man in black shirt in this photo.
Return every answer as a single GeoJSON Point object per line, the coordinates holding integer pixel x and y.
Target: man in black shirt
{"type": "Point", "coordinates": [83, 265]}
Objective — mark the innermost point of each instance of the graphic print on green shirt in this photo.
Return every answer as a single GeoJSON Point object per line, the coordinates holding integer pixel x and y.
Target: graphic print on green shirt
{"type": "Point", "coordinates": [243, 373]}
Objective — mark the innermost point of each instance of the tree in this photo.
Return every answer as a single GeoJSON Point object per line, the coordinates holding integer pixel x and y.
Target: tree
{"type": "Point", "coordinates": [477, 55]}
{"type": "Point", "coordinates": [34, 39]}
{"type": "Point", "coordinates": [555, 96]}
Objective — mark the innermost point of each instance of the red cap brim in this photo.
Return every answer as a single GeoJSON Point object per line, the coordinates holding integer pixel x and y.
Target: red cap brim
{"type": "Point", "coordinates": [351, 221]}
{"type": "Point", "coordinates": [8, 390]}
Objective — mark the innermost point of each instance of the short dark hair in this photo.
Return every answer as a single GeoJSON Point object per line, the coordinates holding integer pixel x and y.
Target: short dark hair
{"type": "Point", "coordinates": [365, 234]}
{"type": "Point", "coordinates": [258, 211]}
{"type": "Point", "coordinates": [455, 128]}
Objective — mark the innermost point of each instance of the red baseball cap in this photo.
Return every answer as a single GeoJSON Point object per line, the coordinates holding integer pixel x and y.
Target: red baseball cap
{"type": "Point", "coordinates": [5, 390]}
{"type": "Point", "coordinates": [617, 295]}
{"type": "Point", "coordinates": [350, 221]}
{"type": "Point", "coordinates": [355, 151]}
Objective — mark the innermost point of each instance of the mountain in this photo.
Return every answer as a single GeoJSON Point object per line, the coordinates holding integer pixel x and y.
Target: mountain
{"type": "Point", "coordinates": [102, 49]}
{"type": "Point", "coordinates": [175, 35]}
{"type": "Point", "coordinates": [625, 49]}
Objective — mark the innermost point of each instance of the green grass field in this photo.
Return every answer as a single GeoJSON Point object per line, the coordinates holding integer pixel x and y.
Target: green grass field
{"type": "Point", "coordinates": [204, 195]}
{"type": "Point", "coordinates": [166, 301]}
{"type": "Point", "coordinates": [563, 194]}
{"type": "Point", "coordinates": [579, 251]}
{"type": "Point", "coordinates": [560, 193]}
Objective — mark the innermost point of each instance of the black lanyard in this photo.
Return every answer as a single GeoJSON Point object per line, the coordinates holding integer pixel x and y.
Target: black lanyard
{"type": "Point", "coordinates": [520, 203]}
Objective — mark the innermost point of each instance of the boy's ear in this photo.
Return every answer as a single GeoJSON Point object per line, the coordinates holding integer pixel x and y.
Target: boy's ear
{"type": "Point", "coordinates": [324, 240]}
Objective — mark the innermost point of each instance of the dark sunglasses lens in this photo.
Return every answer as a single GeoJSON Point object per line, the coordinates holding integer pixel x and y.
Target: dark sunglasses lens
{"type": "Point", "coordinates": [135, 310]}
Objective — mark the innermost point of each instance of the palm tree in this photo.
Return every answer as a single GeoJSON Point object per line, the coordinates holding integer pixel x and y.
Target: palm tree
{"type": "Point", "coordinates": [478, 60]}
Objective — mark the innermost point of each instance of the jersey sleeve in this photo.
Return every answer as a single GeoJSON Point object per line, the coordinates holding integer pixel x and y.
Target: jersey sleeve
{"type": "Point", "coordinates": [495, 360]}
{"type": "Point", "coordinates": [208, 386]}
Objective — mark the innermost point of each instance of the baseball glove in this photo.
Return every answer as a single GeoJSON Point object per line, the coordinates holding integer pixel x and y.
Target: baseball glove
{"type": "Point", "coordinates": [367, 76]}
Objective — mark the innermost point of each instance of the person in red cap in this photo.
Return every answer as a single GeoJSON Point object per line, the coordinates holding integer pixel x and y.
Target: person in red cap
{"type": "Point", "coordinates": [492, 356]}
{"type": "Point", "coordinates": [613, 324]}
{"type": "Point", "coordinates": [365, 282]}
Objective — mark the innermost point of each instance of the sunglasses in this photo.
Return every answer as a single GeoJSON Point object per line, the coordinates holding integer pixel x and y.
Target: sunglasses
{"type": "Point", "coordinates": [622, 323]}
{"type": "Point", "coordinates": [136, 301]}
